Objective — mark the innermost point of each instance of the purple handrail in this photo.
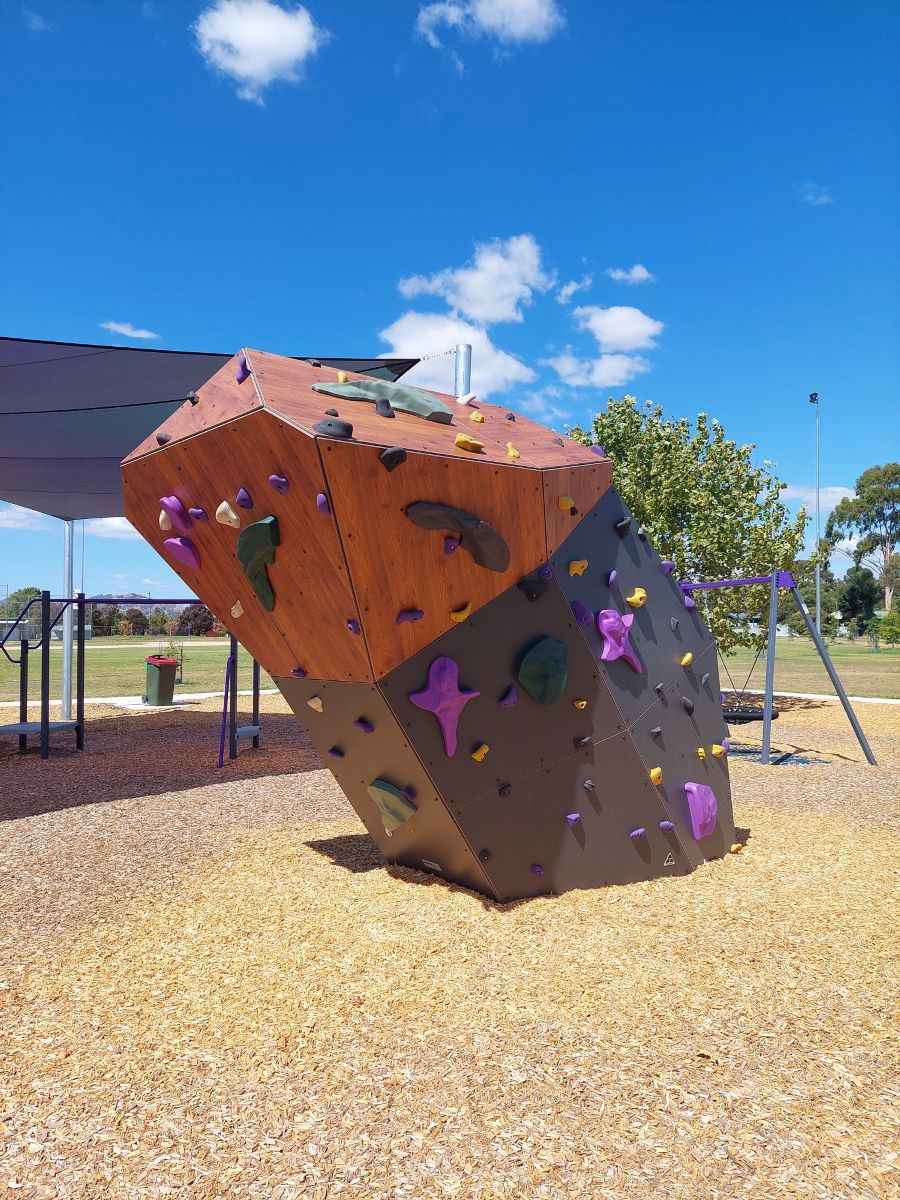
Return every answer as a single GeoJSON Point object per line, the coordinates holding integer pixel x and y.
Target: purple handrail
{"type": "Point", "coordinates": [229, 665]}
{"type": "Point", "coordinates": [784, 579]}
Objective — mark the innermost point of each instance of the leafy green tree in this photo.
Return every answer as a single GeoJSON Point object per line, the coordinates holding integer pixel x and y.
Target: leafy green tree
{"type": "Point", "coordinates": [195, 619]}
{"type": "Point", "coordinates": [704, 504]}
{"type": "Point", "coordinates": [873, 516]}
{"type": "Point", "coordinates": [17, 600]}
{"type": "Point", "coordinates": [138, 619]}
{"type": "Point", "coordinates": [804, 572]}
{"type": "Point", "coordinates": [156, 623]}
{"type": "Point", "coordinates": [104, 619]}
{"type": "Point", "coordinates": [890, 626]}
{"type": "Point", "coordinates": [858, 597]}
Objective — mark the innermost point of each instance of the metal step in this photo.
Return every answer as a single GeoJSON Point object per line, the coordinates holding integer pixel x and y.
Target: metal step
{"type": "Point", "coordinates": [248, 731]}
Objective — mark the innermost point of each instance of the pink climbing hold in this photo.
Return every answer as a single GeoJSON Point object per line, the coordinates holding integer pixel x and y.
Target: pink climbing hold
{"type": "Point", "coordinates": [243, 368]}
{"type": "Point", "coordinates": [184, 550]}
{"type": "Point", "coordinates": [443, 696]}
{"type": "Point", "coordinates": [279, 483]}
{"type": "Point", "coordinates": [322, 504]}
{"type": "Point", "coordinates": [703, 808]}
{"type": "Point", "coordinates": [176, 512]}
{"type": "Point", "coordinates": [614, 629]}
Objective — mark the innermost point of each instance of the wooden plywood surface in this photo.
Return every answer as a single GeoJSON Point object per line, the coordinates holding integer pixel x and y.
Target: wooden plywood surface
{"type": "Point", "coordinates": [286, 386]}
{"type": "Point", "coordinates": [396, 565]}
{"type": "Point", "coordinates": [313, 596]}
{"type": "Point", "coordinates": [584, 484]}
{"type": "Point", "coordinates": [221, 399]}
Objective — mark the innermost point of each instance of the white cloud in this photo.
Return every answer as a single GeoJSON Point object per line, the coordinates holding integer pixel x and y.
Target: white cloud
{"type": "Point", "coordinates": [541, 406]}
{"type": "Point", "coordinates": [815, 194]}
{"type": "Point", "coordinates": [153, 582]}
{"type": "Point", "coordinates": [257, 42]}
{"type": "Point", "coordinates": [636, 274]}
{"type": "Point", "coordinates": [568, 290]}
{"type": "Point", "coordinates": [829, 497]}
{"type": "Point", "coordinates": [502, 277]}
{"type": "Point", "coordinates": [416, 333]}
{"type": "Point", "coordinates": [508, 21]}
{"type": "Point", "coordinates": [126, 329]}
{"type": "Point", "coordinates": [619, 327]}
{"type": "Point", "coordinates": [36, 22]}
{"type": "Point", "coordinates": [609, 370]}
{"type": "Point", "coordinates": [111, 527]}
{"type": "Point", "coordinates": [14, 517]}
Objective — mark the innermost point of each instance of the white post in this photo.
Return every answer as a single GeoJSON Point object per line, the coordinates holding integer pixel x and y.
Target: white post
{"type": "Point", "coordinates": [463, 381]}
{"type": "Point", "coordinates": [68, 564]}
{"type": "Point", "coordinates": [814, 399]}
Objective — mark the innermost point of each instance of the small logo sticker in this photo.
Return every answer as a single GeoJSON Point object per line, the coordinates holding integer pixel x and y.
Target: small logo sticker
{"type": "Point", "coordinates": [670, 860]}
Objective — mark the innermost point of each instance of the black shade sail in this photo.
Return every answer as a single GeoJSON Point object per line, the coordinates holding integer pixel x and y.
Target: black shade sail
{"type": "Point", "coordinates": [69, 414]}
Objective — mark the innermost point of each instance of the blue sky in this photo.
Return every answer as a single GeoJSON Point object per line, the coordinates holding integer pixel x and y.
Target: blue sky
{"type": "Point", "coordinates": [695, 203]}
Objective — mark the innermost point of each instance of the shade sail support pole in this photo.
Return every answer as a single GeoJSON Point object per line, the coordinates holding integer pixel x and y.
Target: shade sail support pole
{"type": "Point", "coordinates": [68, 584]}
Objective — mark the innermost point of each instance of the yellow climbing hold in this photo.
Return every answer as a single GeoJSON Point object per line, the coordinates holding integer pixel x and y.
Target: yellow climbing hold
{"type": "Point", "coordinates": [637, 599]}
{"type": "Point", "coordinates": [477, 417]}
{"type": "Point", "coordinates": [512, 451]}
{"type": "Point", "coordinates": [580, 703]}
{"type": "Point", "coordinates": [460, 614]}
{"type": "Point", "coordinates": [578, 566]}
{"type": "Point", "coordinates": [565, 503]}
{"type": "Point", "coordinates": [717, 750]}
{"type": "Point", "coordinates": [687, 659]}
{"type": "Point", "coordinates": [226, 515]}
{"type": "Point", "coordinates": [482, 750]}
{"type": "Point", "coordinates": [316, 703]}
{"type": "Point", "coordinates": [701, 753]}
{"type": "Point", "coordinates": [469, 443]}
{"type": "Point", "coordinates": [656, 775]}
{"type": "Point", "coordinates": [343, 377]}
{"type": "Point", "coordinates": [165, 521]}
{"type": "Point", "coordinates": [736, 847]}
{"type": "Point", "coordinates": [237, 609]}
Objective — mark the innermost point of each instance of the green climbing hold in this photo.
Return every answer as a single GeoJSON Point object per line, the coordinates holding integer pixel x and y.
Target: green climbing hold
{"type": "Point", "coordinates": [543, 672]}
{"type": "Point", "coordinates": [395, 808]}
{"type": "Point", "coordinates": [403, 399]}
{"type": "Point", "coordinates": [255, 548]}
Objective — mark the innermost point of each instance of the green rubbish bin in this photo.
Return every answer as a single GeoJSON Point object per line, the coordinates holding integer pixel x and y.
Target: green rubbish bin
{"type": "Point", "coordinates": [161, 672]}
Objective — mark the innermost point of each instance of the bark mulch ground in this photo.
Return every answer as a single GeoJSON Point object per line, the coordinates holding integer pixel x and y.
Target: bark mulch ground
{"type": "Point", "coordinates": [212, 986]}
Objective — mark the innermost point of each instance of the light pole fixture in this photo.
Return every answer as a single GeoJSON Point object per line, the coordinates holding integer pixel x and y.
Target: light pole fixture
{"type": "Point", "coordinates": [814, 399]}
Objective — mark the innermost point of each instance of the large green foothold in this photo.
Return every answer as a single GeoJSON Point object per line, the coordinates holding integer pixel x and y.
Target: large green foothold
{"type": "Point", "coordinates": [395, 808]}
{"type": "Point", "coordinates": [255, 547]}
{"type": "Point", "coordinates": [543, 672]}
{"type": "Point", "coordinates": [403, 399]}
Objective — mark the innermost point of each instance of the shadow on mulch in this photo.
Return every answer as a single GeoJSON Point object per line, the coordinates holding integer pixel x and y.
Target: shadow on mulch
{"type": "Point", "coordinates": [142, 754]}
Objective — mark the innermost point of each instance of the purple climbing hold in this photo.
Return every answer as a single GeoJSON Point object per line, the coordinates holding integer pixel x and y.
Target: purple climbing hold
{"type": "Point", "coordinates": [667, 567]}
{"type": "Point", "coordinates": [614, 629]}
{"type": "Point", "coordinates": [243, 368]}
{"type": "Point", "coordinates": [611, 579]}
{"type": "Point", "coordinates": [322, 504]}
{"type": "Point", "coordinates": [537, 869]}
{"type": "Point", "coordinates": [726, 744]}
{"type": "Point", "coordinates": [184, 550]}
{"type": "Point", "coordinates": [198, 514]}
{"type": "Point", "coordinates": [637, 834]}
{"type": "Point", "coordinates": [176, 512]}
{"type": "Point", "coordinates": [409, 614]}
{"type": "Point", "coordinates": [667, 826]}
{"type": "Point", "coordinates": [354, 627]}
{"type": "Point", "coordinates": [336, 752]}
{"type": "Point", "coordinates": [244, 499]}
{"type": "Point", "coordinates": [443, 696]}
{"type": "Point", "coordinates": [599, 451]}
{"type": "Point", "coordinates": [368, 727]}
{"type": "Point", "coordinates": [581, 613]}
{"type": "Point", "coordinates": [545, 573]}
{"type": "Point", "coordinates": [450, 544]}
{"type": "Point", "coordinates": [704, 811]}
{"type": "Point", "coordinates": [689, 602]}
{"type": "Point", "coordinates": [279, 483]}
{"type": "Point", "coordinates": [409, 793]}
{"type": "Point", "coordinates": [572, 819]}
{"type": "Point", "coordinates": [298, 672]}
{"type": "Point", "coordinates": [509, 697]}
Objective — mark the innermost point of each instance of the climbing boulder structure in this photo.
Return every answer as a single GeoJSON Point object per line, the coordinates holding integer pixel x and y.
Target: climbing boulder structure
{"type": "Point", "coordinates": [504, 678]}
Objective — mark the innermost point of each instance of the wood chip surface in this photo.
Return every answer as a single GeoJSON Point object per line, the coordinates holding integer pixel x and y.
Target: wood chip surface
{"type": "Point", "coordinates": [212, 986]}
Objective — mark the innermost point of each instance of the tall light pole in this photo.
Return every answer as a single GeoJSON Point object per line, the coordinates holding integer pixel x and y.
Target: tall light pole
{"type": "Point", "coordinates": [814, 399]}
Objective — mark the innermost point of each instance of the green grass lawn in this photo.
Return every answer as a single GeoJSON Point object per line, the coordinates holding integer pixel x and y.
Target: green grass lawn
{"type": "Point", "coordinates": [115, 667]}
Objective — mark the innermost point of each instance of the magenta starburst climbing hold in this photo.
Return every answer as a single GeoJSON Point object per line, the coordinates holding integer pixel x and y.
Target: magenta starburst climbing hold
{"type": "Point", "coordinates": [614, 629]}
{"type": "Point", "coordinates": [184, 550]}
{"type": "Point", "coordinates": [703, 808]}
{"type": "Point", "coordinates": [443, 696]}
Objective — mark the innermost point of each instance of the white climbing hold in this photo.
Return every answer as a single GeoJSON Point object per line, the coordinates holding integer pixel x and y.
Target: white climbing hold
{"type": "Point", "coordinates": [237, 609]}
{"type": "Point", "coordinates": [316, 703]}
{"type": "Point", "coordinates": [469, 398]}
{"type": "Point", "coordinates": [226, 515]}
{"type": "Point", "coordinates": [165, 521]}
